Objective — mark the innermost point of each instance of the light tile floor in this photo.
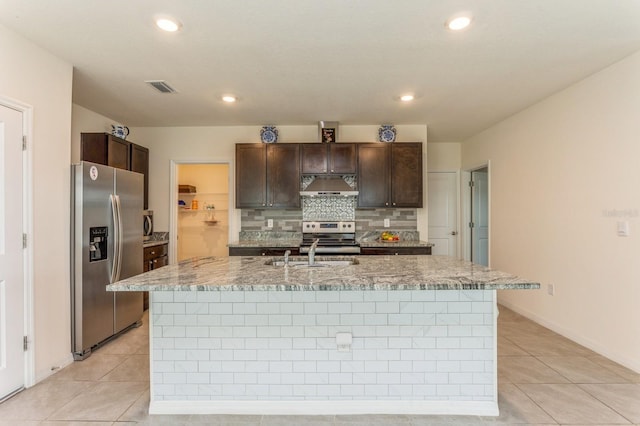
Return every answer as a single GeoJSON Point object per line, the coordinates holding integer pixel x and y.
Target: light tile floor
{"type": "Point", "coordinates": [543, 379]}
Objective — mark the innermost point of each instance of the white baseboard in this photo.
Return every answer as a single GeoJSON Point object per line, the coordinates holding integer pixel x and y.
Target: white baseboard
{"type": "Point", "coordinates": [310, 408]}
{"type": "Point", "coordinates": [633, 364]}
{"type": "Point", "coordinates": [43, 374]}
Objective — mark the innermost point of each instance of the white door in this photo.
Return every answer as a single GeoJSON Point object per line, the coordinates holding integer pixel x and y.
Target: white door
{"type": "Point", "coordinates": [480, 217]}
{"type": "Point", "coordinates": [12, 364]}
{"type": "Point", "coordinates": [442, 207]}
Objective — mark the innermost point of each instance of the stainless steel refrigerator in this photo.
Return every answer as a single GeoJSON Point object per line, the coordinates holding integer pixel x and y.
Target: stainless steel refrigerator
{"type": "Point", "coordinates": [106, 246]}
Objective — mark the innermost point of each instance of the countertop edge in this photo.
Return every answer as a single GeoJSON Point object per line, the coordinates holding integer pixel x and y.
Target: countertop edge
{"type": "Point", "coordinates": [312, 287]}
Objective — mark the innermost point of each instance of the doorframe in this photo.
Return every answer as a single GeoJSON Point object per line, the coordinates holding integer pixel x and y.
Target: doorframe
{"type": "Point", "coordinates": [465, 191]}
{"type": "Point", "coordinates": [173, 200]}
{"type": "Point", "coordinates": [27, 219]}
{"type": "Point", "coordinates": [459, 223]}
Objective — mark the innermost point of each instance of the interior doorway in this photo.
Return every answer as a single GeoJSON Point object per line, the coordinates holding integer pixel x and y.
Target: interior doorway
{"type": "Point", "coordinates": [202, 209]}
{"type": "Point", "coordinates": [442, 207]}
{"type": "Point", "coordinates": [479, 224]}
{"type": "Point", "coordinates": [17, 361]}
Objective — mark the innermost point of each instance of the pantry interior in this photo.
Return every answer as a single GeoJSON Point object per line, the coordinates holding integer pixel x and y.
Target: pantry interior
{"type": "Point", "coordinates": [203, 210]}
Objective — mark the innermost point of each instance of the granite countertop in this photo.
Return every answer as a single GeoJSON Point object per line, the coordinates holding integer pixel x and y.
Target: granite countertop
{"type": "Point", "coordinates": [276, 242]}
{"type": "Point", "coordinates": [372, 273]}
{"type": "Point", "coordinates": [153, 243]}
{"type": "Point", "coordinates": [401, 243]}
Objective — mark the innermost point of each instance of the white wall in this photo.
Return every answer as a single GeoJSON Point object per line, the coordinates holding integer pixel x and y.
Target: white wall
{"type": "Point", "coordinates": [444, 156]}
{"type": "Point", "coordinates": [559, 171]}
{"type": "Point", "coordinates": [86, 121]}
{"type": "Point", "coordinates": [218, 144]}
{"type": "Point", "coordinates": [33, 76]}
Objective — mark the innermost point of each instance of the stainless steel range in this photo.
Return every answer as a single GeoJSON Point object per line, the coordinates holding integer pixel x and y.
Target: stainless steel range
{"type": "Point", "coordinates": [333, 237]}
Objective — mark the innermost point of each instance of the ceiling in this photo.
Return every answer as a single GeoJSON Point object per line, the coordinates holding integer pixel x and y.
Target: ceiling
{"type": "Point", "coordinates": [295, 62]}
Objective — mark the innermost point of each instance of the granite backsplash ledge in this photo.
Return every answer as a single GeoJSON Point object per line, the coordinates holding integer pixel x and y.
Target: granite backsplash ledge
{"type": "Point", "coordinates": [269, 235]}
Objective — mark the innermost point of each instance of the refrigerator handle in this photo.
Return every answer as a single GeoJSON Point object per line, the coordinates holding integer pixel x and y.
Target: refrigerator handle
{"type": "Point", "coordinates": [115, 265]}
{"type": "Point", "coordinates": [120, 241]}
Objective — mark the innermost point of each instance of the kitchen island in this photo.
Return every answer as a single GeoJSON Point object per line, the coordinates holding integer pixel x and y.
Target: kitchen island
{"type": "Point", "coordinates": [390, 334]}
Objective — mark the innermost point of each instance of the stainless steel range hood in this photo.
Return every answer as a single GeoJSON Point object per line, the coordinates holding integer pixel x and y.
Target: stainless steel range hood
{"type": "Point", "coordinates": [324, 186]}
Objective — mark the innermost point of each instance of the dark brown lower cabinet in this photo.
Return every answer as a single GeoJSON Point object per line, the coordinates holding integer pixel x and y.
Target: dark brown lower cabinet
{"type": "Point", "coordinates": [154, 257]}
{"type": "Point", "coordinates": [394, 250]}
{"type": "Point", "coordinates": [262, 251]}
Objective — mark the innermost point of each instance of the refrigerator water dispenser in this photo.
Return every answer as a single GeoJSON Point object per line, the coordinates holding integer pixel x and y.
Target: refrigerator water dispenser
{"type": "Point", "coordinates": [98, 243]}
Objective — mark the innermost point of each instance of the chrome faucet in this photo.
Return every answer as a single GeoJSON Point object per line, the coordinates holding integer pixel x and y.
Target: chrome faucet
{"type": "Point", "coordinates": [312, 252]}
{"type": "Point", "coordinates": [286, 257]}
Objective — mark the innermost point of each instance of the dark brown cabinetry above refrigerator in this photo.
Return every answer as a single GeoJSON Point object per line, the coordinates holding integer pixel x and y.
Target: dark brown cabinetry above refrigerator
{"type": "Point", "coordinates": [104, 148]}
{"type": "Point", "coordinates": [328, 158]}
{"type": "Point", "coordinates": [268, 176]}
{"type": "Point", "coordinates": [390, 175]}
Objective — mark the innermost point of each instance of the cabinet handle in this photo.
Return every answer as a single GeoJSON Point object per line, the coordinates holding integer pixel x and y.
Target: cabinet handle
{"type": "Point", "coordinates": [386, 204]}
{"type": "Point", "coordinates": [394, 204]}
{"type": "Point", "coordinates": [153, 252]}
{"type": "Point", "coordinates": [271, 205]}
{"type": "Point", "coordinates": [331, 170]}
{"type": "Point", "coordinates": [264, 204]}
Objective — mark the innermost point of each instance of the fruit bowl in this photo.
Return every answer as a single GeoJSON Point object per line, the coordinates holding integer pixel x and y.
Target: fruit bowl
{"type": "Point", "coordinates": [388, 237]}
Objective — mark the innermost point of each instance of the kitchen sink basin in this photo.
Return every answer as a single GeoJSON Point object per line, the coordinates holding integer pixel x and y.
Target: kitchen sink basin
{"type": "Point", "coordinates": [320, 261]}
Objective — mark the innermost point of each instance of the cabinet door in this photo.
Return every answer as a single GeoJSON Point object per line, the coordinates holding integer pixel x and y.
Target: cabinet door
{"type": "Point", "coordinates": [342, 158]}
{"type": "Point", "coordinates": [140, 164]}
{"type": "Point", "coordinates": [251, 175]}
{"type": "Point", "coordinates": [118, 153]}
{"type": "Point", "coordinates": [373, 175]}
{"type": "Point", "coordinates": [406, 175]}
{"type": "Point", "coordinates": [93, 147]}
{"type": "Point", "coordinates": [283, 175]}
{"type": "Point", "coordinates": [314, 158]}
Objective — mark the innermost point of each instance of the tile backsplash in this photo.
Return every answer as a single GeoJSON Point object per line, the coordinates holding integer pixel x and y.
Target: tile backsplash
{"type": "Point", "coordinates": [366, 219]}
{"type": "Point", "coordinates": [329, 208]}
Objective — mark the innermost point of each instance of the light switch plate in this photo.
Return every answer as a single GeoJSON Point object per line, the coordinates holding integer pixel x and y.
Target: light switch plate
{"type": "Point", "coordinates": [623, 228]}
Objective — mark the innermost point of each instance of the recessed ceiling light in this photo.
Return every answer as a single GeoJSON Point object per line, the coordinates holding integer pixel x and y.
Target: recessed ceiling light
{"type": "Point", "coordinates": [407, 98]}
{"type": "Point", "coordinates": [458, 23]}
{"type": "Point", "coordinates": [167, 24]}
{"type": "Point", "coordinates": [229, 98]}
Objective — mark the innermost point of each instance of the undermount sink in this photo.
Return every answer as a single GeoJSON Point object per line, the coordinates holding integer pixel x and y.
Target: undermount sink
{"type": "Point", "coordinates": [320, 261]}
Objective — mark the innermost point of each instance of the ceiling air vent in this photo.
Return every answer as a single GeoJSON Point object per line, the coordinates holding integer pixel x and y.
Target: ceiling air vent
{"type": "Point", "coordinates": [161, 86]}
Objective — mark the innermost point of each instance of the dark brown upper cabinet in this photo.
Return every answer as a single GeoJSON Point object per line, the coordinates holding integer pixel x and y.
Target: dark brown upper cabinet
{"type": "Point", "coordinates": [104, 148]}
{"type": "Point", "coordinates": [390, 175]}
{"type": "Point", "coordinates": [268, 176]}
{"type": "Point", "coordinates": [328, 158]}
{"type": "Point", "coordinates": [139, 160]}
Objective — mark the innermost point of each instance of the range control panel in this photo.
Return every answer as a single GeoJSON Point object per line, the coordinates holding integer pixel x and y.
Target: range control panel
{"type": "Point", "coordinates": [328, 227]}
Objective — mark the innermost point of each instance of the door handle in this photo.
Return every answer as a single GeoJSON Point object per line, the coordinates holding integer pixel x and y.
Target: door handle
{"type": "Point", "coordinates": [454, 233]}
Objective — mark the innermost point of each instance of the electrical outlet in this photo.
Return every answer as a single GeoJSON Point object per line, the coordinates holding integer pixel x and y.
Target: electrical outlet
{"type": "Point", "coordinates": [386, 223]}
{"type": "Point", "coordinates": [550, 289]}
{"type": "Point", "coordinates": [269, 223]}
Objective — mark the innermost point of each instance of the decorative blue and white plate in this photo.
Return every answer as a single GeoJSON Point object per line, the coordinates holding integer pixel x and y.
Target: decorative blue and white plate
{"type": "Point", "coordinates": [269, 134]}
{"type": "Point", "coordinates": [387, 133]}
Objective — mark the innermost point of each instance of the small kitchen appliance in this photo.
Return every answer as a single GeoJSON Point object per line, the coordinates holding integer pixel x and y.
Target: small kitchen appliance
{"type": "Point", "coordinates": [333, 237]}
{"type": "Point", "coordinates": [147, 225]}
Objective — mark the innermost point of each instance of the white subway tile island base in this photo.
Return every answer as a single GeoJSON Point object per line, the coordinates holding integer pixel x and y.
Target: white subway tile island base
{"type": "Point", "coordinates": [235, 335]}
